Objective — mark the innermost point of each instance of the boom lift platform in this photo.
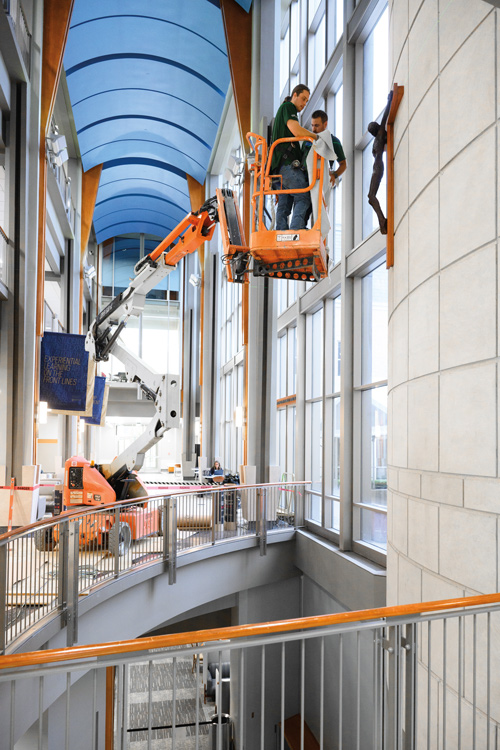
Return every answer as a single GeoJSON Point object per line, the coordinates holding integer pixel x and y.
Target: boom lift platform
{"type": "Point", "coordinates": [292, 254]}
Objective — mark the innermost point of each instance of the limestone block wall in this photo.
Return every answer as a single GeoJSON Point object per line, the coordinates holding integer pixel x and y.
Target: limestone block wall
{"type": "Point", "coordinates": [444, 485]}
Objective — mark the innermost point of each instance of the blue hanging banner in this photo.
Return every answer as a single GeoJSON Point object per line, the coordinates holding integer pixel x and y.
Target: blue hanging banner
{"type": "Point", "coordinates": [100, 401]}
{"type": "Point", "coordinates": [66, 374]}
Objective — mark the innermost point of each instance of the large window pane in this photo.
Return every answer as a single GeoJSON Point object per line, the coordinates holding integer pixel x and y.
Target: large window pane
{"type": "Point", "coordinates": [374, 447]}
{"type": "Point", "coordinates": [335, 489]}
{"type": "Point", "coordinates": [337, 321]}
{"type": "Point", "coordinates": [284, 59]}
{"type": "Point", "coordinates": [313, 6]}
{"type": "Point", "coordinates": [282, 366]}
{"type": "Point", "coordinates": [316, 442]}
{"type": "Point", "coordinates": [374, 528]}
{"type": "Point", "coordinates": [374, 326]}
{"type": "Point", "coordinates": [282, 446]}
{"type": "Point", "coordinates": [339, 19]}
{"type": "Point", "coordinates": [292, 361]}
{"type": "Point", "coordinates": [375, 70]}
{"type": "Point", "coordinates": [316, 53]}
{"type": "Point", "coordinates": [294, 32]}
{"type": "Point", "coordinates": [290, 435]}
{"type": "Point", "coordinates": [314, 352]}
{"type": "Point", "coordinates": [161, 346]}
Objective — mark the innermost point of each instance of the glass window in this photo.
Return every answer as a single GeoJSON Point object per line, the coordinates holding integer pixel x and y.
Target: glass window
{"type": "Point", "coordinates": [294, 34]}
{"type": "Point", "coordinates": [371, 399]}
{"type": "Point", "coordinates": [287, 374]}
{"type": "Point", "coordinates": [314, 357]}
{"type": "Point", "coordinates": [287, 294]}
{"type": "Point", "coordinates": [374, 326]}
{"type": "Point", "coordinates": [335, 456]}
{"type": "Point", "coordinates": [285, 58]}
{"type": "Point", "coordinates": [337, 320]}
{"type": "Point", "coordinates": [282, 366]}
{"type": "Point", "coordinates": [282, 446]}
{"type": "Point", "coordinates": [316, 52]}
{"type": "Point", "coordinates": [290, 435]}
{"type": "Point", "coordinates": [313, 7]}
{"type": "Point", "coordinates": [292, 362]}
{"type": "Point", "coordinates": [374, 446]}
{"type": "Point", "coordinates": [316, 445]}
{"type": "Point", "coordinates": [376, 70]}
{"type": "Point", "coordinates": [339, 19]}
{"type": "Point", "coordinates": [290, 48]}
{"type": "Point", "coordinates": [314, 411]}
{"type": "Point", "coordinates": [374, 464]}
{"type": "Point", "coordinates": [161, 336]}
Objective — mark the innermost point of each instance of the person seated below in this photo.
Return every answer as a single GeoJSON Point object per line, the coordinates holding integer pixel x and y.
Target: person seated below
{"type": "Point", "coordinates": [217, 473]}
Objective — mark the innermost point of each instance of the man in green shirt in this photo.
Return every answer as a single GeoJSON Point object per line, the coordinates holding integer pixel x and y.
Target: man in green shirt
{"type": "Point", "coordinates": [287, 160]}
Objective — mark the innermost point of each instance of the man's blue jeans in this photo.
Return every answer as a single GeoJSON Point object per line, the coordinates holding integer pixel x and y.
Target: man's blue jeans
{"type": "Point", "coordinates": [301, 202]}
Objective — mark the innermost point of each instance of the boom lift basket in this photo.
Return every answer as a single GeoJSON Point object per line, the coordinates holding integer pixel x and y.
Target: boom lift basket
{"type": "Point", "coordinates": [282, 254]}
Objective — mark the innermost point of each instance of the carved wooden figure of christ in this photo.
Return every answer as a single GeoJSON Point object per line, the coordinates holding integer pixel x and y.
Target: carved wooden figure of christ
{"type": "Point", "coordinates": [379, 133]}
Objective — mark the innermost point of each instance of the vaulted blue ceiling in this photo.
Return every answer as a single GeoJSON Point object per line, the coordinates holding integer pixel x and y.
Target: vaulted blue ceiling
{"type": "Point", "coordinates": [147, 81]}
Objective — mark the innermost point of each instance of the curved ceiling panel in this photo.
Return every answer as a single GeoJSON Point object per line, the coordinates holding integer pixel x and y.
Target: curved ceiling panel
{"type": "Point", "coordinates": [147, 82]}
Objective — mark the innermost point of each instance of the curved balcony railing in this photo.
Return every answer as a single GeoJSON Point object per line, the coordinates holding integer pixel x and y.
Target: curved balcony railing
{"type": "Point", "coordinates": [393, 678]}
{"type": "Point", "coordinates": [45, 568]}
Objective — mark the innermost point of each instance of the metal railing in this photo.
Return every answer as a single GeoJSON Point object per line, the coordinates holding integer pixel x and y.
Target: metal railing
{"type": "Point", "coordinates": [395, 678]}
{"type": "Point", "coordinates": [45, 568]}
{"type": "Point", "coordinates": [15, 11]}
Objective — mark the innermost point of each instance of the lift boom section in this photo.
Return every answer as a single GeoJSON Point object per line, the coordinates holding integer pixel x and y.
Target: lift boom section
{"type": "Point", "coordinates": [103, 337]}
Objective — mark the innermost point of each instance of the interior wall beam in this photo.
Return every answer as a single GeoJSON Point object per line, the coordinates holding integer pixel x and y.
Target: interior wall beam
{"type": "Point", "coordinates": [238, 32]}
{"type": "Point", "coordinates": [90, 185]}
{"type": "Point", "coordinates": [56, 22]}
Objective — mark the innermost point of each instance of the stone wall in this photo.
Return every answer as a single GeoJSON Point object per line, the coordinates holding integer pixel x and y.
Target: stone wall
{"type": "Point", "coordinates": [444, 486]}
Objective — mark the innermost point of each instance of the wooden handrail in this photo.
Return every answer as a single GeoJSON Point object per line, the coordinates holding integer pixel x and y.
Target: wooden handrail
{"type": "Point", "coordinates": [192, 490]}
{"type": "Point", "coordinates": [33, 658]}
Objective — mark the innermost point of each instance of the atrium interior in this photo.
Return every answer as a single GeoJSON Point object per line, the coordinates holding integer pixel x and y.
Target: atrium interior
{"type": "Point", "coordinates": [354, 412]}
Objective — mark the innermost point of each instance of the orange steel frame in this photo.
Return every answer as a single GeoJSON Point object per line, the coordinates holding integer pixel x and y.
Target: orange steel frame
{"type": "Point", "coordinates": [32, 658]}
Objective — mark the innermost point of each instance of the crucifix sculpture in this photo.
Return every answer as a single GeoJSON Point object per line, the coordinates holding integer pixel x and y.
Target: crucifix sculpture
{"type": "Point", "coordinates": [379, 133]}
{"type": "Point", "coordinates": [383, 134]}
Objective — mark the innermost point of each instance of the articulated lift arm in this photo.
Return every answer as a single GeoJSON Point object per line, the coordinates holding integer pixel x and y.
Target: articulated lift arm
{"type": "Point", "coordinates": [103, 337]}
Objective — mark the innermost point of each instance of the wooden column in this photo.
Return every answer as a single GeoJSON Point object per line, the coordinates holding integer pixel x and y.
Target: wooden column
{"type": "Point", "coordinates": [238, 32]}
{"type": "Point", "coordinates": [398, 92]}
{"type": "Point", "coordinates": [90, 184]}
{"type": "Point", "coordinates": [56, 21]}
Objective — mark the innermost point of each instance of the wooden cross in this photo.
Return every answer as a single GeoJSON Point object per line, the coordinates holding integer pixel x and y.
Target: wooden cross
{"type": "Point", "coordinates": [397, 95]}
